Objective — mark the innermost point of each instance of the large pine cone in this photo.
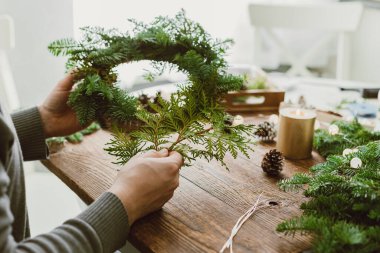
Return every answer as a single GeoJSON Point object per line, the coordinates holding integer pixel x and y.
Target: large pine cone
{"type": "Point", "coordinates": [272, 163]}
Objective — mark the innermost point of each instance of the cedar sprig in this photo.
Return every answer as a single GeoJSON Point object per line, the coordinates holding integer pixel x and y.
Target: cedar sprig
{"type": "Point", "coordinates": [178, 125]}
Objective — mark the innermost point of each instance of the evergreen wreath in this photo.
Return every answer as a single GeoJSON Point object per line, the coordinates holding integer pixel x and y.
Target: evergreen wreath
{"type": "Point", "coordinates": [343, 213]}
{"type": "Point", "coordinates": [350, 135]}
{"type": "Point", "coordinates": [193, 113]}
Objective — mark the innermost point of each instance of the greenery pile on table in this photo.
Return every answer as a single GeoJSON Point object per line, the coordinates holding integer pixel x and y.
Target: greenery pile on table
{"type": "Point", "coordinates": [193, 113]}
{"type": "Point", "coordinates": [350, 135]}
{"type": "Point", "coordinates": [343, 212]}
{"type": "Point", "coordinates": [75, 137]}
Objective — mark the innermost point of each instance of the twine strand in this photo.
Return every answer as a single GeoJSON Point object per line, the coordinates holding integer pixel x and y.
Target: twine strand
{"type": "Point", "coordinates": [239, 224]}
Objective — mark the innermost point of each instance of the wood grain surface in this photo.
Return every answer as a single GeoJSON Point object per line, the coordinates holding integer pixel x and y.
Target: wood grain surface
{"type": "Point", "coordinates": [205, 207]}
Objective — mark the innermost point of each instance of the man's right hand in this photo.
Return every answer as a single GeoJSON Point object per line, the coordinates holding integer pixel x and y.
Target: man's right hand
{"type": "Point", "coordinates": [147, 182]}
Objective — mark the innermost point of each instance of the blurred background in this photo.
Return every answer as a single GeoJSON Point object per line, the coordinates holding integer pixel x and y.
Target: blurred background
{"type": "Point", "coordinates": [334, 41]}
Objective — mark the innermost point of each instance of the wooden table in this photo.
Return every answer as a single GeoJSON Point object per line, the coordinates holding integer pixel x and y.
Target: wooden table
{"type": "Point", "coordinates": [205, 207]}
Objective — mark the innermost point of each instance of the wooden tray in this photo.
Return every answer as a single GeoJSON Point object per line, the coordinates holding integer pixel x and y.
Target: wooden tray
{"type": "Point", "coordinates": [268, 100]}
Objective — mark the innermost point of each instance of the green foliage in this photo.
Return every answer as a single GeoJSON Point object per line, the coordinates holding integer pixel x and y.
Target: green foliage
{"type": "Point", "coordinates": [351, 134]}
{"type": "Point", "coordinates": [193, 114]}
{"type": "Point", "coordinates": [199, 133]}
{"type": "Point", "coordinates": [176, 43]}
{"type": "Point", "coordinates": [343, 213]}
{"type": "Point", "coordinates": [258, 83]}
{"type": "Point", "coordinates": [94, 99]}
{"type": "Point", "coordinates": [76, 137]}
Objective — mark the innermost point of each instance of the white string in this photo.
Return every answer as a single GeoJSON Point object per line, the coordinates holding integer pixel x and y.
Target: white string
{"type": "Point", "coordinates": [239, 224]}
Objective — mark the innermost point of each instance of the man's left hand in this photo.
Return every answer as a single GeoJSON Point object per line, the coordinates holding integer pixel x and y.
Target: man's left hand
{"type": "Point", "coordinates": [57, 117]}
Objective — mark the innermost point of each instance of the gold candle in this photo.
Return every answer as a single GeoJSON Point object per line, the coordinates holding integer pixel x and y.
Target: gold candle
{"type": "Point", "coordinates": [295, 133]}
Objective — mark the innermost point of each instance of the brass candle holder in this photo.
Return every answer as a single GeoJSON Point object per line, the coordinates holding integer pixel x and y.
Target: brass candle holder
{"type": "Point", "coordinates": [296, 132]}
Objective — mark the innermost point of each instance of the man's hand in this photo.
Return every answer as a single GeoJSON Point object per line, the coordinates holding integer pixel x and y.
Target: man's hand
{"type": "Point", "coordinates": [147, 182]}
{"type": "Point", "coordinates": [58, 118]}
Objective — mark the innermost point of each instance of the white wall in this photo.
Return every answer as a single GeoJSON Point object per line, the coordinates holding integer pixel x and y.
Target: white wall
{"type": "Point", "coordinates": [365, 61]}
{"type": "Point", "coordinates": [37, 23]}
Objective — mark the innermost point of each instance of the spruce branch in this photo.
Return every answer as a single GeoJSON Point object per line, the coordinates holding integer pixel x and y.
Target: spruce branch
{"type": "Point", "coordinates": [343, 212]}
{"type": "Point", "coordinates": [351, 135]}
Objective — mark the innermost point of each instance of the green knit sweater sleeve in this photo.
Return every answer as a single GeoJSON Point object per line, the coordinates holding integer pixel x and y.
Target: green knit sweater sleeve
{"type": "Point", "coordinates": [102, 228]}
{"type": "Point", "coordinates": [30, 133]}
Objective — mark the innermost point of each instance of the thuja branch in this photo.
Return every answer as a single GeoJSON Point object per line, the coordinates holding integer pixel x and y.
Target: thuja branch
{"type": "Point", "coordinates": [180, 138]}
{"type": "Point", "coordinates": [200, 133]}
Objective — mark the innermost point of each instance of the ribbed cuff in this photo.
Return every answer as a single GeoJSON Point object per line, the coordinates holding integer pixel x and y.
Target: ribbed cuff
{"type": "Point", "coordinates": [30, 132]}
{"type": "Point", "coordinates": [109, 218]}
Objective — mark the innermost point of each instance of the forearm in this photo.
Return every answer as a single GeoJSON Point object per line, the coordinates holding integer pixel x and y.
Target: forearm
{"type": "Point", "coordinates": [73, 236]}
{"type": "Point", "coordinates": [30, 132]}
{"type": "Point", "coordinates": [103, 227]}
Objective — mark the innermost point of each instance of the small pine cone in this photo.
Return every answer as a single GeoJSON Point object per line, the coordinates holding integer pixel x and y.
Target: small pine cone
{"type": "Point", "coordinates": [228, 123]}
{"type": "Point", "coordinates": [156, 98]}
{"type": "Point", "coordinates": [143, 99]}
{"type": "Point", "coordinates": [228, 120]}
{"type": "Point", "coordinates": [273, 162]}
{"type": "Point", "coordinates": [244, 87]}
{"type": "Point", "coordinates": [266, 131]}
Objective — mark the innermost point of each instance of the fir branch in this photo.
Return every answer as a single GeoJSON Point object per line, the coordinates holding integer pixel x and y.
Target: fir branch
{"type": "Point", "coordinates": [351, 135]}
{"type": "Point", "coordinates": [343, 213]}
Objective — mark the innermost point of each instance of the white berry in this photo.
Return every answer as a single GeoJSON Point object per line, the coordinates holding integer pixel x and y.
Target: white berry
{"type": "Point", "coordinates": [238, 120]}
{"type": "Point", "coordinates": [273, 119]}
{"type": "Point", "coordinates": [356, 163]}
{"type": "Point", "coordinates": [333, 129]}
{"type": "Point", "coordinates": [347, 151]}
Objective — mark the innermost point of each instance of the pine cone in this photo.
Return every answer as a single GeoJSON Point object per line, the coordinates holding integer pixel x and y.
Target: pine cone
{"type": "Point", "coordinates": [144, 99]}
{"type": "Point", "coordinates": [244, 87]}
{"type": "Point", "coordinates": [228, 120]}
{"type": "Point", "coordinates": [266, 131]}
{"type": "Point", "coordinates": [156, 98]}
{"type": "Point", "coordinates": [272, 163]}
